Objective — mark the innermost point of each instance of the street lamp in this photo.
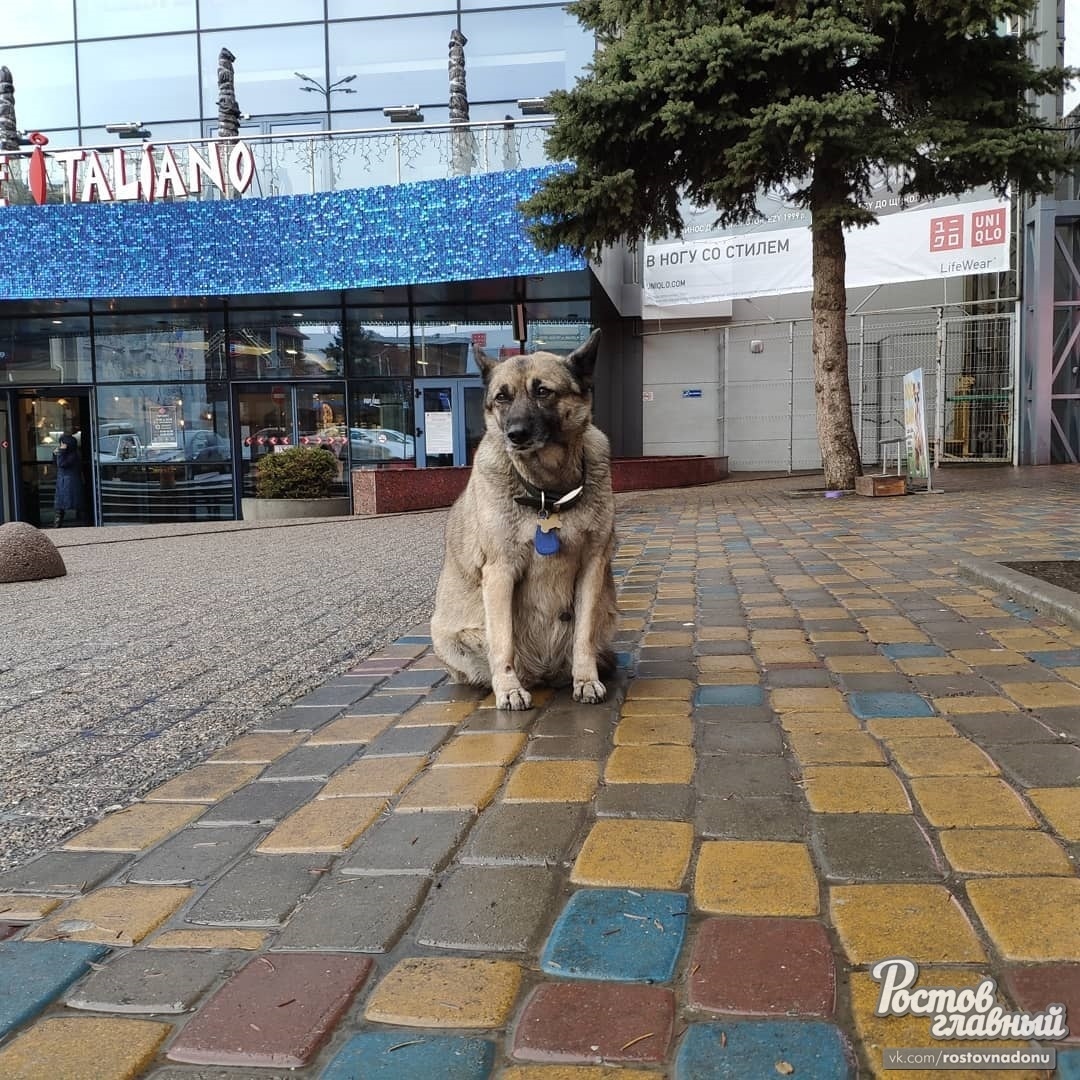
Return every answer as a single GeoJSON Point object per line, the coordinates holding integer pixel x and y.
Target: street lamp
{"type": "Point", "coordinates": [314, 87]}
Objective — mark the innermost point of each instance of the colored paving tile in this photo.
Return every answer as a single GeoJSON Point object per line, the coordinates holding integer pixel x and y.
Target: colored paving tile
{"type": "Point", "coordinates": [461, 787]}
{"type": "Point", "coordinates": [115, 915]}
{"type": "Point", "coordinates": [24, 907]}
{"type": "Point", "coordinates": [41, 971]}
{"type": "Point", "coordinates": [496, 748]}
{"type": "Point", "coordinates": [870, 704]}
{"type": "Point", "coordinates": [968, 705]}
{"type": "Point", "coordinates": [250, 940]}
{"type": "Point", "coordinates": [854, 789]}
{"type": "Point", "coordinates": [350, 730]}
{"type": "Point", "coordinates": [1034, 989]}
{"type": "Point", "coordinates": [762, 1048]}
{"type": "Point", "coordinates": [819, 723]}
{"type": "Point", "coordinates": [592, 1023]}
{"type": "Point", "coordinates": [324, 825]}
{"type": "Point", "coordinates": [932, 757]}
{"type": "Point", "coordinates": [740, 694]}
{"type": "Point", "coordinates": [1060, 807]}
{"type": "Point", "coordinates": [636, 854]}
{"type": "Point", "coordinates": [553, 781]}
{"type": "Point", "coordinates": [654, 707]}
{"type": "Point", "coordinates": [204, 783]}
{"type": "Point", "coordinates": [859, 665]}
{"type": "Point", "coordinates": [933, 665]}
{"type": "Point", "coordinates": [650, 765]}
{"type": "Point", "coordinates": [1030, 918]}
{"type": "Point", "coordinates": [386, 1055]}
{"type": "Point", "coordinates": [921, 922]}
{"type": "Point", "coordinates": [1042, 695]}
{"type": "Point", "coordinates": [904, 727]}
{"type": "Point", "coordinates": [258, 748]}
{"type": "Point", "coordinates": [762, 967]}
{"type": "Point", "coordinates": [908, 650]}
{"type": "Point", "coordinates": [852, 748]}
{"type": "Point", "coordinates": [977, 658]}
{"type": "Point", "coordinates": [968, 802]}
{"type": "Point", "coordinates": [441, 713]}
{"type": "Point", "coordinates": [450, 992]}
{"type": "Point", "coordinates": [807, 699]}
{"type": "Point", "coordinates": [83, 1048]}
{"type": "Point", "coordinates": [370, 777]}
{"type": "Point", "coordinates": [1004, 852]}
{"type": "Point", "coordinates": [654, 731]}
{"type": "Point", "coordinates": [272, 1013]}
{"type": "Point", "coordinates": [755, 877]}
{"type": "Point", "coordinates": [619, 935]}
{"type": "Point", "coordinates": [874, 847]}
{"type": "Point", "coordinates": [135, 828]}
{"type": "Point", "coordinates": [1057, 658]}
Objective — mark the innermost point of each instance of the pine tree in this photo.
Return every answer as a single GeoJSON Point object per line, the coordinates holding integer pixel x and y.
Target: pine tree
{"type": "Point", "coordinates": [713, 100]}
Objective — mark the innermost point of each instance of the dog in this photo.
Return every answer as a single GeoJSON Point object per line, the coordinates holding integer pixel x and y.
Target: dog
{"type": "Point", "coordinates": [526, 595]}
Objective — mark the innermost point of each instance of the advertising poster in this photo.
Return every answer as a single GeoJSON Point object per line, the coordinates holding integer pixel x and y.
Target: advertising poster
{"type": "Point", "coordinates": [918, 457]}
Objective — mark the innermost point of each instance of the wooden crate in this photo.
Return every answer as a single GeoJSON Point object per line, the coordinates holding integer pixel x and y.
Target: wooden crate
{"type": "Point", "coordinates": [888, 484]}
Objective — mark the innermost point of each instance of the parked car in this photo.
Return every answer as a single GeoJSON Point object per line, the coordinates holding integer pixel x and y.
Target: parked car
{"type": "Point", "coordinates": [120, 447]}
{"type": "Point", "coordinates": [380, 444]}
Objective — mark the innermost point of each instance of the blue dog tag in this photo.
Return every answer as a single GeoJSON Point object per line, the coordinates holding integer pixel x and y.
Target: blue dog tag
{"type": "Point", "coordinates": [546, 543]}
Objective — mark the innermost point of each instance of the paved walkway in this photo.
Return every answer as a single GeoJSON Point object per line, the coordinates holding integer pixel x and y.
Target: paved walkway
{"type": "Point", "coordinates": [826, 748]}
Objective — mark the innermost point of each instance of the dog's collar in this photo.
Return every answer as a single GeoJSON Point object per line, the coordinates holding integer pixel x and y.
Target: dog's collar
{"type": "Point", "coordinates": [550, 501]}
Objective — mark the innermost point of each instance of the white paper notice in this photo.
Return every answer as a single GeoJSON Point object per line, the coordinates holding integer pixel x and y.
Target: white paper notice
{"type": "Point", "coordinates": [439, 432]}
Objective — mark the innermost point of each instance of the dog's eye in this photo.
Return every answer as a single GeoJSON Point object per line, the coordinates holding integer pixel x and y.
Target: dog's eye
{"type": "Point", "coordinates": [543, 392]}
{"type": "Point", "coordinates": [502, 397]}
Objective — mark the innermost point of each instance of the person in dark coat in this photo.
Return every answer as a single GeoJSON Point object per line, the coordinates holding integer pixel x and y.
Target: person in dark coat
{"type": "Point", "coordinates": [69, 484]}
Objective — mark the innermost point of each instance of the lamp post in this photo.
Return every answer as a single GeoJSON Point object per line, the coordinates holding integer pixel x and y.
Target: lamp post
{"type": "Point", "coordinates": [313, 86]}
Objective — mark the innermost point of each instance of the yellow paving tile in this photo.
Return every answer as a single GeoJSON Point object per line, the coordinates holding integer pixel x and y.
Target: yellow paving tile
{"type": "Point", "coordinates": [650, 765]}
{"type": "Point", "coordinates": [631, 624]}
{"type": "Point", "coordinates": [553, 781]}
{"type": "Point", "coordinates": [134, 828]}
{"type": "Point", "coordinates": [673, 613]}
{"type": "Point", "coordinates": [261, 748]}
{"type": "Point", "coordinates": [967, 706]}
{"type": "Point", "coordinates": [755, 877]}
{"type": "Point", "coordinates": [859, 664]}
{"type": "Point", "coordinates": [898, 727]}
{"type": "Point", "coordinates": [634, 603]}
{"type": "Point", "coordinates": [991, 658]}
{"type": "Point", "coordinates": [854, 789]}
{"type": "Point", "coordinates": [852, 748]}
{"type": "Point", "coordinates": [834, 635]}
{"type": "Point", "coordinates": [771, 637]}
{"type": "Point", "coordinates": [83, 1048]}
{"type": "Point", "coordinates": [807, 699]}
{"type": "Point", "coordinates": [205, 783]}
{"type": "Point", "coordinates": [713, 664]}
{"type": "Point", "coordinates": [729, 678]}
{"type": "Point", "coordinates": [350, 729]}
{"type": "Point", "coordinates": [116, 915]}
{"type": "Point", "coordinates": [1025, 640]}
{"type": "Point", "coordinates": [814, 723]}
{"type": "Point", "coordinates": [921, 922]}
{"type": "Point", "coordinates": [469, 787]}
{"type": "Point", "coordinates": [722, 633]}
{"type": "Point", "coordinates": [1070, 673]}
{"type": "Point", "coordinates": [656, 707]}
{"type": "Point", "coordinates": [15, 907]}
{"type": "Point", "coordinates": [933, 665]}
{"type": "Point", "coordinates": [443, 713]}
{"type": "Point", "coordinates": [445, 992]}
{"type": "Point", "coordinates": [651, 689]}
{"type": "Point", "coordinates": [208, 938]}
{"type": "Point", "coordinates": [636, 854]}
{"type": "Point", "coordinates": [932, 757]}
{"type": "Point", "coordinates": [1013, 852]}
{"type": "Point", "coordinates": [1061, 807]}
{"type": "Point", "coordinates": [373, 776]}
{"type": "Point", "coordinates": [654, 731]}
{"type": "Point", "coordinates": [968, 802]}
{"type": "Point", "coordinates": [576, 1072]}
{"type": "Point", "coordinates": [659, 638]}
{"type": "Point", "coordinates": [826, 614]}
{"type": "Point", "coordinates": [785, 654]}
{"type": "Point", "coordinates": [1030, 918]}
{"type": "Point", "coordinates": [485, 748]}
{"type": "Point", "coordinates": [1043, 695]}
{"type": "Point", "coordinates": [770, 611]}
{"type": "Point", "coordinates": [323, 825]}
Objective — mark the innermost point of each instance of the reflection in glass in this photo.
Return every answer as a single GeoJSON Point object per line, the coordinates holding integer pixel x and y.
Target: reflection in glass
{"type": "Point", "coordinates": [26, 21]}
{"type": "Point", "coordinates": [438, 424]}
{"type": "Point", "coordinates": [48, 350]}
{"type": "Point", "coordinates": [115, 18]}
{"type": "Point", "coordinates": [381, 427]}
{"type": "Point", "coordinates": [285, 344]}
{"type": "Point", "coordinates": [230, 13]}
{"type": "Point", "coordinates": [349, 9]}
{"type": "Point", "coordinates": [379, 342]}
{"type": "Point", "coordinates": [168, 345]}
{"type": "Point", "coordinates": [44, 78]}
{"type": "Point", "coordinates": [448, 339]}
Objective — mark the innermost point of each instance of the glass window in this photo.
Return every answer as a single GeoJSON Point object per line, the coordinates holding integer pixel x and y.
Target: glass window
{"type": "Point", "coordinates": [381, 422]}
{"type": "Point", "coordinates": [356, 9]}
{"type": "Point", "coordinates": [286, 344]}
{"type": "Point", "coordinates": [448, 338]}
{"type": "Point", "coordinates": [378, 341]}
{"type": "Point", "coordinates": [230, 13]}
{"type": "Point", "coordinates": [44, 80]}
{"type": "Point", "coordinates": [266, 65]}
{"type": "Point", "coordinates": [169, 345]}
{"type": "Point", "coordinates": [399, 153]}
{"type": "Point", "coordinates": [154, 79]}
{"type": "Point", "coordinates": [116, 18]}
{"type": "Point", "coordinates": [397, 61]}
{"type": "Point", "coordinates": [53, 350]}
{"type": "Point", "coordinates": [526, 53]}
{"type": "Point", "coordinates": [27, 21]}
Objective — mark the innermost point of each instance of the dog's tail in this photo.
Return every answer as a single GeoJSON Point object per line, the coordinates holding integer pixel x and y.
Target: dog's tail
{"type": "Point", "coordinates": [606, 664]}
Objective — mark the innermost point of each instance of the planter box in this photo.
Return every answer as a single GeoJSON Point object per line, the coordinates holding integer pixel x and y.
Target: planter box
{"type": "Point", "coordinates": [281, 509]}
{"type": "Point", "coordinates": [888, 484]}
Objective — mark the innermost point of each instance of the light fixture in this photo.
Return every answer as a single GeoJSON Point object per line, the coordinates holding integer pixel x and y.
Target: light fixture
{"type": "Point", "coordinates": [403, 114]}
{"type": "Point", "coordinates": [297, 314]}
{"type": "Point", "coordinates": [128, 129]}
{"type": "Point", "coordinates": [57, 322]}
{"type": "Point", "coordinates": [533, 106]}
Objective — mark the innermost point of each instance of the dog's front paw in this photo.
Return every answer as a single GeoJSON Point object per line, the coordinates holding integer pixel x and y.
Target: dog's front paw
{"type": "Point", "coordinates": [515, 700]}
{"type": "Point", "coordinates": [590, 691]}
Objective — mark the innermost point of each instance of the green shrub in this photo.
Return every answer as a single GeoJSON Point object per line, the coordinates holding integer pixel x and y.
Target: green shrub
{"type": "Point", "coordinates": [297, 473]}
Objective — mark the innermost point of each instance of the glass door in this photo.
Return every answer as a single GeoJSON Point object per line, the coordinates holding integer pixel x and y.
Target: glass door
{"type": "Point", "coordinates": [41, 420]}
{"type": "Point", "coordinates": [7, 506]}
{"type": "Point", "coordinates": [449, 421]}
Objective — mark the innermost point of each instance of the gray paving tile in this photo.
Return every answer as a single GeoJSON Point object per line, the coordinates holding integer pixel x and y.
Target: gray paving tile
{"type": "Point", "coordinates": [524, 834]}
{"type": "Point", "coordinates": [292, 719]}
{"type": "Point", "coordinates": [1039, 764]}
{"type": "Point", "coordinates": [769, 818]}
{"type": "Point", "coordinates": [986, 728]}
{"type": "Point", "coordinates": [874, 847]}
{"type": "Point", "coordinates": [489, 909]}
{"type": "Point", "coordinates": [577, 720]}
{"type": "Point", "coordinates": [355, 913]}
{"type": "Point", "coordinates": [776, 678]}
{"type": "Point", "coordinates": [261, 801]}
{"type": "Point", "coordinates": [732, 714]}
{"type": "Point", "coordinates": [663, 802]}
{"type": "Point", "coordinates": [63, 873]}
{"type": "Point", "coordinates": [568, 748]}
{"type": "Point", "coordinates": [194, 855]}
{"type": "Point", "coordinates": [457, 692]}
{"type": "Point", "coordinates": [344, 694]}
{"type": "Point", "coordinates": [260, 891]}
{"type": "Point", "coordinates": [722, 648]}
{"type": "Point", "coordinates": [952, 685]}
{"type": "Point", "coordinates": [739, 739]}
{"type": "Point", "coordinates": [744, 775]}
{"type": "Point", "coordinates": [380, 704]}
{"type": "Point", "coordinates": [1061, 720]}
{"type": "Point", "coordinates": [409, 741]}
{"type": "Point", "coordinates": [154, 980]}
{"type": "Point", "coordinates": [498, 720]}
{"type": "Point", "coordinates": [420, 679]}
{"type": "Point", "coordinates": [311, 762]}
{"type": "Point", "coordinates": [875, 682]}
{"type": "Point", "coordinates": [409, 843]}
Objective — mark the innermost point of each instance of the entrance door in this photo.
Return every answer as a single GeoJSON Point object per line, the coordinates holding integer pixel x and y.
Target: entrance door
{"type": "Point", "coordinates": [273, 416]}
{"type": "Point", "coordinates": [449, 421]}
{"type": "Point", "coordinates": [7, 501]}
{"type": "Point", "coordinates": [41, 420]}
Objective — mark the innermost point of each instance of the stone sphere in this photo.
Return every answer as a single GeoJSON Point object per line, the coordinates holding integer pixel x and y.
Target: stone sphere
{"type": "Point", "coordinates": [27, 554]}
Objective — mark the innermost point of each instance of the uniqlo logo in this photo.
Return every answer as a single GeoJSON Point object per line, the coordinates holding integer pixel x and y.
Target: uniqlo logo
{"type": "Point", "coordinates": [988, 227]}
{"type": "Point", "coordinates": [947, 233]}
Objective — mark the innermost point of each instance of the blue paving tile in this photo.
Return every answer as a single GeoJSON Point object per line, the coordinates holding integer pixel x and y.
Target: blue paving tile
{"type": "Point", "coordinates": [752, 1048]}
{"type": "Point", "coordinates": [406, 1055]}
{"type": "Point", "coordinates": [1057, 658]}
{"type": "Point", "coordinates": [624, 660]}
{"type": "Point", "coordinates": [40, 971]}
{"type": "Point", "coordinates": [905, 650]}
{"type": "Point", "coordinates": [621, 935]}
{"type": "Point", "coordinates": [1068, 1065]}
{"type": "Point", "coordinates": [418, 639]}
{"type": "Point", "coordinates": [1019, 611]}
{"type": "Point", "coordinates": [865, 705]}
{"type": "Point", "coordinates": [730, 695]}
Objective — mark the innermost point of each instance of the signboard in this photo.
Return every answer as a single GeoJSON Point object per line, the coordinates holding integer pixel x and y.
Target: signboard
{"type": "Point", "coordinates": [479, 339]}
{"type": "Point", "coordinates": [918, 457]}
{"type": "Point", "coordinates": [438, 432]}
{"type": "Point", "coordinates": [647, 395]}
{"type": "Point", "coordinates": [694, 393]}
{"type": "Point", "coordinates": [926, 240]}
{"type": "Point", "coordinates": [277, 395]}
{"type": "Point", "coordinates": [164, 427]}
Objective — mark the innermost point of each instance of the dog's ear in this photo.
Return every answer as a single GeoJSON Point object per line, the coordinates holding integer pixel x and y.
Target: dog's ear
{"type": "Point", "coordinates": [582, 360]}
{"type": "Point", "coordinates": [487, 364]}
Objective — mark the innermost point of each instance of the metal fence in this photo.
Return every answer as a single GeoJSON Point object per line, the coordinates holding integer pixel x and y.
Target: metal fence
{"type": "Point", "coordinates": [968, 364]}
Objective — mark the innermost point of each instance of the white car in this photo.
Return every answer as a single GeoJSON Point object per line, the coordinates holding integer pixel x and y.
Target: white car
{"type": "Point", "coordinates": [380, 444]}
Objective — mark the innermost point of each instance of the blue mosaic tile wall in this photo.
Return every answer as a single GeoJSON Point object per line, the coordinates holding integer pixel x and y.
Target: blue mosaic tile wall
{"type": "Point", "coordinates": [436, 230]}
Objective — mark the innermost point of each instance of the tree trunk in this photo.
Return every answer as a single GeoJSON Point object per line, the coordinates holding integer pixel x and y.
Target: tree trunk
{"type": "Point", "coordinates": [832, 391]}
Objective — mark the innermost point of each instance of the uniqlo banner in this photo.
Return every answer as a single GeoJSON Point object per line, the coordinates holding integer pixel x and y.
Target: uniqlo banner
{"type": "Point", "coordinates": [943, 238]}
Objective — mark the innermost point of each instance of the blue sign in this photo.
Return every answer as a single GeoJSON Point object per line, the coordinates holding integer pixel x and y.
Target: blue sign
{"type": "Point", "coordinates": [691, 393]}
